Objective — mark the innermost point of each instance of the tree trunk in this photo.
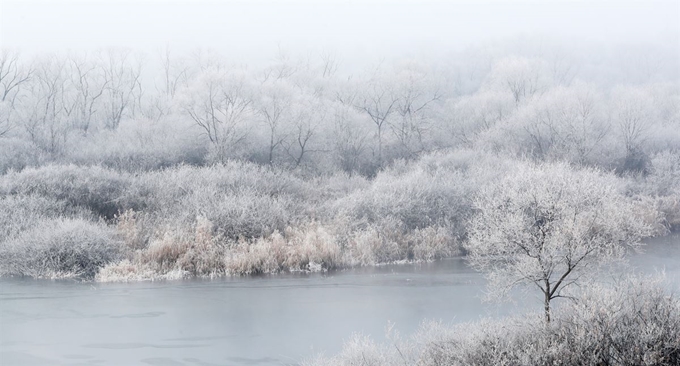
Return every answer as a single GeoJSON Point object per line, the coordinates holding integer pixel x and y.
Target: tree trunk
{"type": "Point", "coordinates": [546, 306]}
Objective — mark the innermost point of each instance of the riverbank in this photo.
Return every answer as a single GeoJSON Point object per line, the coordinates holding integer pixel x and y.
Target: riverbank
{"type": "Point", "coordinates": [630, 322]}
{"type": "Point", "coordinates": [89, 222]}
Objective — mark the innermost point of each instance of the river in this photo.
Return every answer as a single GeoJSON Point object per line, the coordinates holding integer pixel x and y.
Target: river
{"type": "Point", "coordinates": [268, 320]}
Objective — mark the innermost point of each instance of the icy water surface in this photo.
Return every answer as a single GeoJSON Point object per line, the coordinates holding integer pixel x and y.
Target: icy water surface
{"type": "Point", "coordinates": [274, 320]}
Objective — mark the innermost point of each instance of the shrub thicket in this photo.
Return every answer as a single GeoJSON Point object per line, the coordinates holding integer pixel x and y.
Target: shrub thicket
{"type": "Point", "coordinates": [95, 188]}
{"type": "Point", "coordinates": [410, 211]}
{"type": "Point", "coordinates": [59, 248]}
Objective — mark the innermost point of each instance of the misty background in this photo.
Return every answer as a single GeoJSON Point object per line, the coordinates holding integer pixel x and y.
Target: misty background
{"type": "Point", "coordinates": [357, 30]}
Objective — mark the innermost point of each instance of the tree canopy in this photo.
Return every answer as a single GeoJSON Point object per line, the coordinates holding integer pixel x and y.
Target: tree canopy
{"type": "Point", "coordinates": [547, 225]}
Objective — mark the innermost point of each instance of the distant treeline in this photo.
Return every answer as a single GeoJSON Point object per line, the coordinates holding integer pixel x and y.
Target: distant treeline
{"type": "Point", "coordinates": [603, 106]}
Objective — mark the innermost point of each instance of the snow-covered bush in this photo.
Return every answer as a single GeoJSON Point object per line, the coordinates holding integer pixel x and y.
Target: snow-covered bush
{"type": "Point", "coordinates": [95, 188]}
{"type": "Point", "coordinates": [140, 145]}
{"type": "Point", "coordinates": [239, 199]}
{"type": "Point", "coordinates": [19, 213]}
{"type": "Point", "coordinates": [17, 154]}
{"type": "Point", "coordinates": [59, 248]}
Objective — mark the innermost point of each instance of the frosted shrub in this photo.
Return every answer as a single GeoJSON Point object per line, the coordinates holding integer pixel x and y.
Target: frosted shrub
{"type": "Point", "coordinates": [312, 247]}
{"type": "Point", "coordinates": [95, 188]}
{"type": "Point", "coordinates": [339, 185]}
{"type": "Point", "coordinates": [239, 199]}
{"type": "Point", "coordinates": [135, 229]}
{"type": "Point", "coordinates": [433, 243]}
{"type": "Point", "coordinates": [412, 211]}
{"type": "Point", "coordinates": [664, 182]}
{"type": "Point", "coordinates": [659, 191]}
{"type": "Point", "coordinates": [388, 242]}
{"type": "Point", "coordinates": [170, 253]}
{"type": "Point", "coordinates": [126, 271]}
{"type": "Point", "coordinates": [670, 208]}
{"type": "Point", "coordinates": [358, 350]}
{"type": "Point", "coordinates": [377, 244]}
{"type": "Point", "coordinates": [307, 248]}
{"type": "Point", "coordinates": [141, 145]}
{"type": "Point", "coordinates": [664, 179]}
{"type": "Point", "coordinates": [199, 253]}
{"type": "Point", "coordinates": [247, 213]}
{"type": "Point", "coordinates": [17, 154]}
{"type": "Point", "coordinates": [256, 257]}
{"type": "Point", "coordinates": [631, 322]}
{"type": "Point", "coordinates": [19, 213]}
{"type": "Point", "coordinates": [59, 248]}
{"type": "Point", "coordinates": [363, 246]}
{"type": "Point", "coordinates": [417, 198]}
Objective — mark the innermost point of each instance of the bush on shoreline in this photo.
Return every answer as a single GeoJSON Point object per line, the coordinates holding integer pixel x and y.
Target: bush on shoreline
{"type": "Point", "coordinates": [634, 322]}
{"type": "Point", "coordinates": [60, 248]}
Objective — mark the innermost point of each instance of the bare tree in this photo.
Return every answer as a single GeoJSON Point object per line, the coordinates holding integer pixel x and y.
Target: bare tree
{"type": "Point", "coordinates": [561, 124]}
{"type": "Point", "coordinates": [378, 102]}
{"type": "Point", "coordinates": [330, 64]}
{"type": "Point", "coordinates": [281, 68]}
{"type": "Point", "coordinates": [548, 226]}
{"type": "Point", "coordinates": [44, 114]}
{"type": "Point", "coordinates": [522, 77]}
{"type": "Point", "coordinates": [122, 74]}
{"type": "Point", "coordinates": [470, 116]}
{"type": "Point", "coordinates": [632, 113]}
{"type": "Point", "coordinates": [174, 74]}
{"type": "Point", "coordinates": [220, 104]}
{"type": "Point", "coordinates": [417, 90]}
{"type": "Point", "coordinates": [586, 127]}
{"type": "Point", "coordinates": [307, 117]}
{"type": "Point", "coordinates": [273, 106]}
{"type": "Point", "coordinates": [350, 138]}
{"type": "Point", "coordinates": [13, 75]}
{"type": "Point", "coordinates": [89, 84]}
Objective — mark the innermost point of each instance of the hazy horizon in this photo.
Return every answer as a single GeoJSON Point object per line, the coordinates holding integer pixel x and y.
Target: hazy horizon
{"type": "Point", "coordinates": [254, 31]}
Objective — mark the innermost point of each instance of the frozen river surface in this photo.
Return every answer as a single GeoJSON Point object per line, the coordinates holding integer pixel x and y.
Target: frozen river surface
{"type": "Point", "coordinates": [275, 320]}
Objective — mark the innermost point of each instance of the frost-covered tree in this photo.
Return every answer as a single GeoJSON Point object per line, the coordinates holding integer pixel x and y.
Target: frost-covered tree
{"type": "Point", "coordinates": [350, 138]}
{"type": "Point", "coordinates": [220, 104]}
{"type": "Point", "coordinates": [563, 123]}
{"type": "Point", "coordinates": [469, 116]}
{"type": "Point", "coordinates": [307, 116]}
{"type": "Point", "coordinates": [633, 112]}
{"type": "Point", "coordinates": [549, 226]}
{"type": "Point", "coordinates": [417, 90]}
{"type": "Point", "coordinates": [273, 108]}
{"type": "Point", "coordinates": [13, 77]}
{"type": "Point", "coordinates": [44, 113]}
{"type": "Point", "coordinates": [122, 76]}
{"type": "Point", "coordinates": [13, 74]}
{"type": "Point", "coordinates": [86, 85]}
{"type": "Point", "coordinates": [378, 100]}
{"type": "Point", "coordinates": [523, 77]}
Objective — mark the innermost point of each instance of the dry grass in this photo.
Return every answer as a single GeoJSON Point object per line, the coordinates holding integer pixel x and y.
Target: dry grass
{"type": "Point", "coordinates": [312, 247]}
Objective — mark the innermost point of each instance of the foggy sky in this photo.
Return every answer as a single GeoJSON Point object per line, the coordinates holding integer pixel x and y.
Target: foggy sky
{"type": "Point", "coordinates": [256, 28]}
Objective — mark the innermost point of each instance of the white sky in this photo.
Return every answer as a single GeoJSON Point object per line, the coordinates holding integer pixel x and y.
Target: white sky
{"type": "Point", "coordinates": [253, 29]}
